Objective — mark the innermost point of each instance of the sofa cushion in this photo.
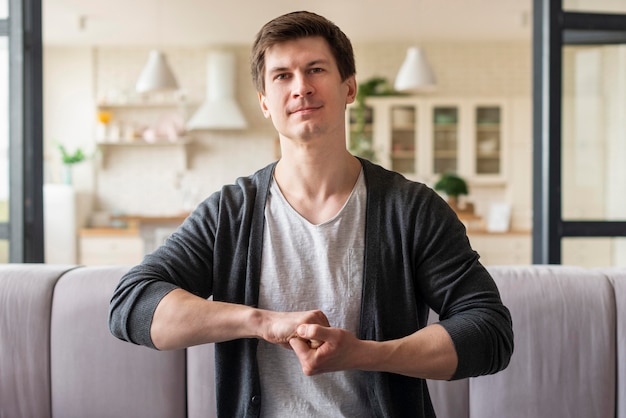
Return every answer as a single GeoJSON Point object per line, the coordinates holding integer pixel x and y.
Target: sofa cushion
{"type": "Point", "coordinates": [95, 375]}
{"type": "Point", "coordinates": [564, 359]}
{"type": "Point", "coordinates": [25, 300]}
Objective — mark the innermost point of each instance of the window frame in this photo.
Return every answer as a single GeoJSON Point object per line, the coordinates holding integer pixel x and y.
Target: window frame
{"type": "Point", "coordinates": [24, 229]}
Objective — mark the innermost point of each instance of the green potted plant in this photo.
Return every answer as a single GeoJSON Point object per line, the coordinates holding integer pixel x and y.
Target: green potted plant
{"type": "Point", "coordinates": [453, 186]}
{"type": "Point", "coordinates": [69, 159]}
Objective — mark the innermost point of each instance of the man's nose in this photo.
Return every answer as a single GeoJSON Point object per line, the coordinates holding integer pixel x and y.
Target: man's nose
{"type": "Point", "coordinates": [302, 86]}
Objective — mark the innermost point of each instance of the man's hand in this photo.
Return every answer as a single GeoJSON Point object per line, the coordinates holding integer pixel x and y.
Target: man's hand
{"type": "Point", "coordinates": [323, 349]}
{"type": "Point", "coordinates": [428, 353]}
{"type": "Point", "coordinates": [280, 327]}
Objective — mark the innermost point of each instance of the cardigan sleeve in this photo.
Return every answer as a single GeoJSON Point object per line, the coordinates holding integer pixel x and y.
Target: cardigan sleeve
{"type": "Point", "coordinates": [208, 255]}
{"type": "Point", "coordinates": [418, 256]}
{"type": "Point", "coordinates": [459, 288]}
{"type": "Point", "coordinates": [183, 261]}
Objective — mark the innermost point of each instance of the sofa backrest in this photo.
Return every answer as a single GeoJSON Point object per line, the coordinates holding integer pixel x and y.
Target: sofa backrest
{"type": "Point", "coordinates": [58, 359]}
{"type": "Point", "coordinates": [201, 401]}
{"type": "Point", "coordinates": [25, 303]}
{"type": "Point", "coordinates": [93, 374]}
{"type": "Point", "coordinates": [564, 363]}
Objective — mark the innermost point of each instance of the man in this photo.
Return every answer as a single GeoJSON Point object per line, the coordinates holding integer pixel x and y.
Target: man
{"type": "Point", "coordinates": [321, 267]}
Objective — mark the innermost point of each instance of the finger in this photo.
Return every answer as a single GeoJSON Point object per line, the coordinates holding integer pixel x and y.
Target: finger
{"type": "Point", "coordinates": [304, 354]}
{"type": "Point", "coordinates": [315, 343]}
{"type": "Point", "coordinates": [323, 319]}
{"type": "Point", "coordinates": [299, 345]}
{"type": "Point", "coordinates": [313, 333]}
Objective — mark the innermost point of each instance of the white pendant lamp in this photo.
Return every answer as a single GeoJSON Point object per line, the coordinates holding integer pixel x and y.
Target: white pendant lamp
{"type": "Point", "coordinates": [415, 73]}
{"type": "Point", "coordinates": [156, 75]}
{"type": "Point", "coordinates": [220, 109]}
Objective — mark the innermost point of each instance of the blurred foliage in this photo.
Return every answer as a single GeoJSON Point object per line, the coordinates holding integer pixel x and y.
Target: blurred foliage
{"type": "Point", "coordinates": [360, 142]}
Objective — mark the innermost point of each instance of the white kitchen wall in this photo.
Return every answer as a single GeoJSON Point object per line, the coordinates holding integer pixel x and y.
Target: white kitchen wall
{"type": "Point", "coordinates": [146, 181]}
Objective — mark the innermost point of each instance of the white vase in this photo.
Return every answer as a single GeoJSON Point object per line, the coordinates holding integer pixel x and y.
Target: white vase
{"type": "Point", "coordinates": [67, 174]}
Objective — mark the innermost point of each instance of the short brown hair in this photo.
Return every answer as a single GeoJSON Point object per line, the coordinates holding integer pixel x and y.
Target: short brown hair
{"type": "Point", "coordinates": [297, 25]}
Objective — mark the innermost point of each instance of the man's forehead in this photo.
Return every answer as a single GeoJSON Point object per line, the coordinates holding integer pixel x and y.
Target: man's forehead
{"type": "Point", "coordinates": [298, 51]}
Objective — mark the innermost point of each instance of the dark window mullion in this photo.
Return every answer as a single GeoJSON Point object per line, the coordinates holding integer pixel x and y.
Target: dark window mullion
{"type": "Point", "coordinates": [594, 21]}
{"type": "Point", "coordinates": [593, 229]}
{"type": "Point", "coordinates": [547, 61]}
{"type": "Point", "coordinates": [25, 132]}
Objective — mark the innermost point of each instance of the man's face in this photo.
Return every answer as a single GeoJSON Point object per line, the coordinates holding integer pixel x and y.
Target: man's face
{"type": "Point", "coordinates": [304, 94]}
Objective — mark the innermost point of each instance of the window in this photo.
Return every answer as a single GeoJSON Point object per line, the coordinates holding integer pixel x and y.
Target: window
{"type": "Point", "coordinates": [579, 98]}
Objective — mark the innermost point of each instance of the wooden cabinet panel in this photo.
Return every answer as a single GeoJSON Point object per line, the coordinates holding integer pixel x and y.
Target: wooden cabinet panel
{"type": "Point", "coordinates": [109, 248]}
{"type": "Point", "coordinates": [502, 249]}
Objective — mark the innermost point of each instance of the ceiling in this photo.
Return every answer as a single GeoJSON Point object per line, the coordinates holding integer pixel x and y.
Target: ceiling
{"type": "Point", "coordinates": [211, 22]}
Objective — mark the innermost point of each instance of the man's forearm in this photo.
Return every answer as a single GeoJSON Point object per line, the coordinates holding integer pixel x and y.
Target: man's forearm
{"type": "Point", "coordinates": [428, 353]}
{"type": "Point", "coordinates": [183, 319]}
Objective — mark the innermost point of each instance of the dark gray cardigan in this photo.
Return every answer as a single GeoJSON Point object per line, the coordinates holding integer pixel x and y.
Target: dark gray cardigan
{"type": "Point", "coordinates": [417, 256]}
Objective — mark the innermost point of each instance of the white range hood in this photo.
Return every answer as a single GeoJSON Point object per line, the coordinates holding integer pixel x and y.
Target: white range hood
{"type": "Point", "coordinates": [220, 110]}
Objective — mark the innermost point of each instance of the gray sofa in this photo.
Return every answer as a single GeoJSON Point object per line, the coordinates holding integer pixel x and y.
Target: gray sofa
{"type": "Point", "coordinates": [57, 358]}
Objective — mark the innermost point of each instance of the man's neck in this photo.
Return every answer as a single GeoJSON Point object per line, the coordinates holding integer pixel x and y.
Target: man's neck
{"type": "Point", "coordinates": [317, 186]}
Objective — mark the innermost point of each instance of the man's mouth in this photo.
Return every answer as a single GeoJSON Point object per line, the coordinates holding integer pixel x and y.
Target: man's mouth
{"type": "Point", "coordinates": [304, 109]}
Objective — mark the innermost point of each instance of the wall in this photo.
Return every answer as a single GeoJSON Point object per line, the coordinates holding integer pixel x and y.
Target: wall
{"type": "Point", "coordinates": [141, 181]}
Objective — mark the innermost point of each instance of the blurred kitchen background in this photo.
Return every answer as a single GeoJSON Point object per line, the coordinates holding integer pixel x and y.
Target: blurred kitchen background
{"type": "Point", "coordinates": [146, 166]}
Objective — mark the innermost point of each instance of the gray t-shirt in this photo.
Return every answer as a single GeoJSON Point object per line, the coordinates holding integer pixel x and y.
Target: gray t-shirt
{"type": "Point", "coordinates": [307, 267]}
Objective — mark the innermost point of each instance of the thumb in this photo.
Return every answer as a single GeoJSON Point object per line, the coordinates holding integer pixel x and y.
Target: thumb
{"type": "Point", "coordinates": [311, 333]}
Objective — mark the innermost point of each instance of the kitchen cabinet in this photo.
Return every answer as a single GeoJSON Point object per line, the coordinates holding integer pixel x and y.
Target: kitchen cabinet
{"type": "Point", "coordinates": [425, 137]}
{"type": "Point", "coordinates": [110, 246]}
{"type": "Point", "coordinates": [511, 248]}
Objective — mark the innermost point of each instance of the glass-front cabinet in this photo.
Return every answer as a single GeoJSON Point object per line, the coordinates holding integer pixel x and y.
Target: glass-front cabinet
{"type": "Point", "coordinates": [423, 138]}
{"type": "Point", "coordinates": [404, 154]}
{"type": "Point", "coordinates": [488, 144]}
{"type": "Point", "coordinates": [445, 139]}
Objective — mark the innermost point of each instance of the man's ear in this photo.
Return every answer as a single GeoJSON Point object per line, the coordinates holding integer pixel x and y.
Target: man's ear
{"type": "Point", "coordinates": [352, 89]}
{"type": "Point", "coordinates": [264, 108]}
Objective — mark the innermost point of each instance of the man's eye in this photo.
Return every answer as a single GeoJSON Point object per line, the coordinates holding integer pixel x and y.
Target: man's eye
{"type": "Point", "coordinates": [317, 70]}
{"type": "Point", "coordinates": [281, 76]}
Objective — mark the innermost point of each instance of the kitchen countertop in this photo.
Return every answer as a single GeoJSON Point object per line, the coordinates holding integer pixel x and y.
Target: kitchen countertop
{"type": "Point", "coordinates": [493, 233]}
{"type": "Point", "coordinates": [132, 224]}
{"type": "Point", "coordinates": [135, 221]}
{"type": "Point", "coordinates": [109, 232]}
{"type": "Point", "coordinates": [151, 218]}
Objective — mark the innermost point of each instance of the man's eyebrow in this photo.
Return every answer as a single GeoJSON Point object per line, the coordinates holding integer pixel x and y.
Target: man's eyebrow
{"type": "Point", "coordinates": [320, 61]}
{"type": "Point", "coordinates": [277, 69]}
{"type": "Point", "coordinates": [280, 69]}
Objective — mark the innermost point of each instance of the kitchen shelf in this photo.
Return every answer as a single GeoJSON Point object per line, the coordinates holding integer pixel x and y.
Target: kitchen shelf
{"type": "Point", "coordinates": [183, 140]}
{"type": "Point", "coordinates": [180, 143]}
{"type": "Point", "coordinates": [142, 105]}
